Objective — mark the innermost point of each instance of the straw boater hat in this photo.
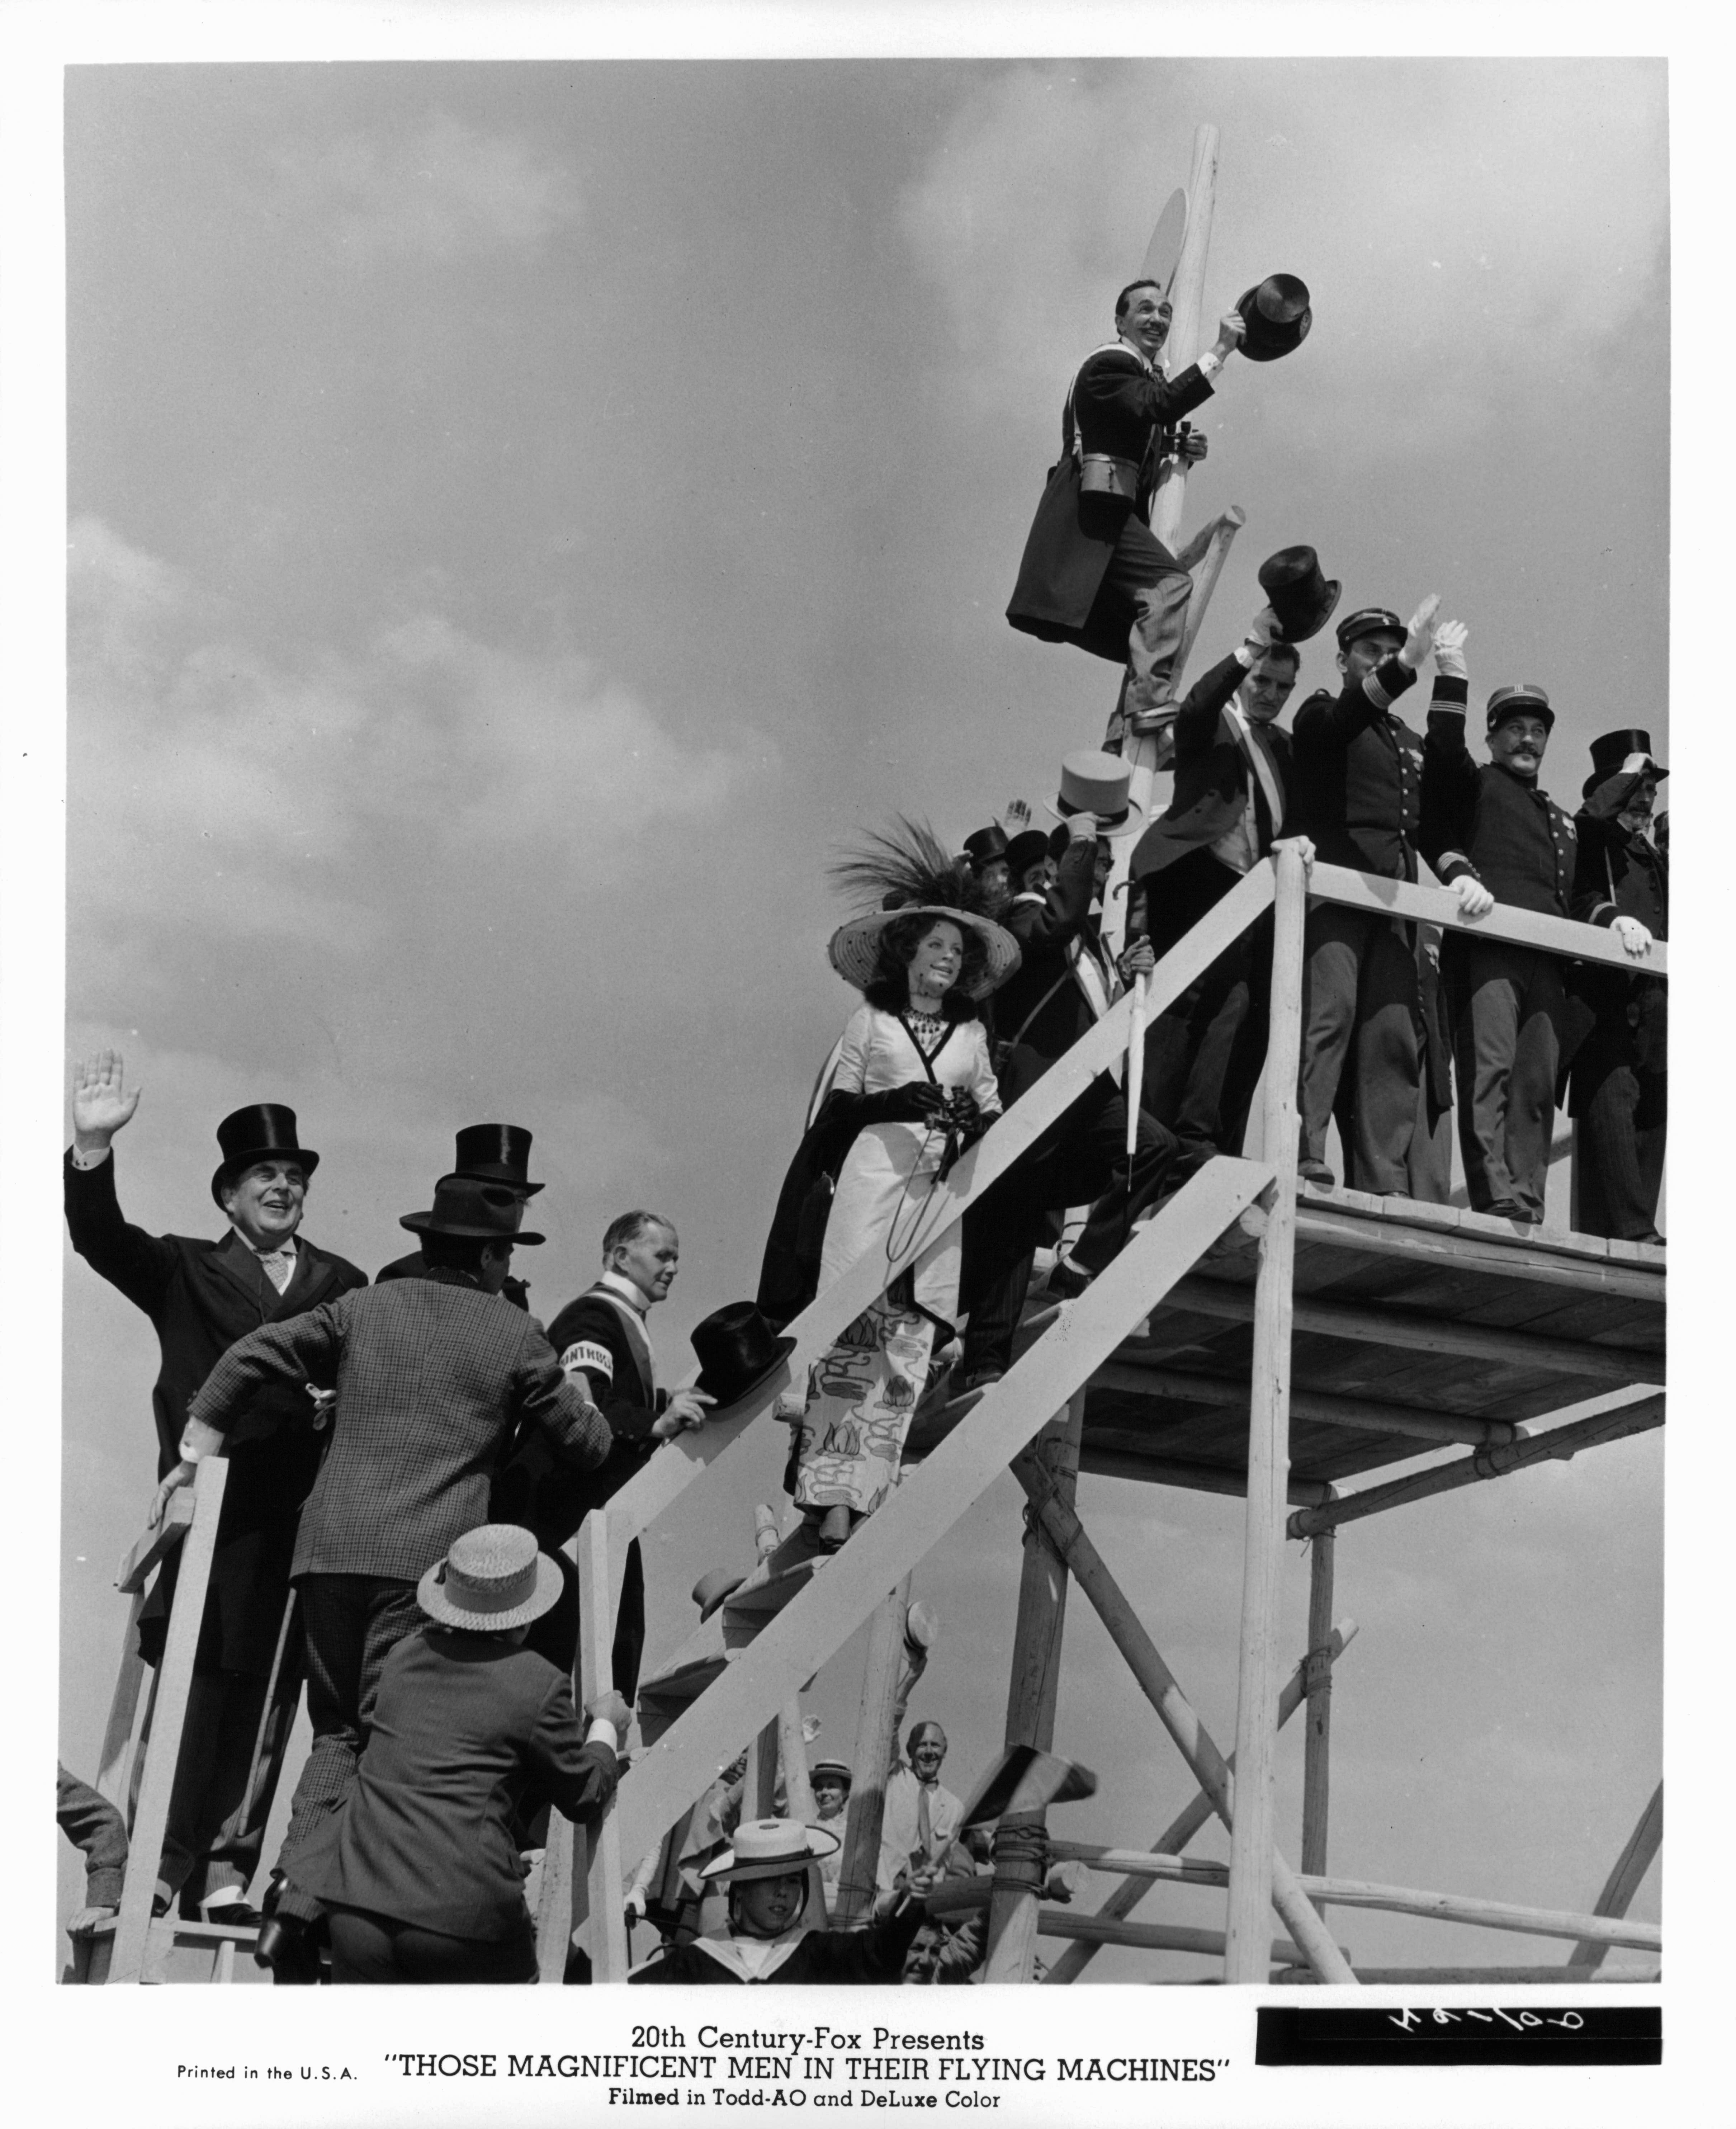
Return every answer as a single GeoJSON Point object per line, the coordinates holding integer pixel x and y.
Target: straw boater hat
{"type": "Point", "coordinates": [909, 873]}
{"type": "Point", "coordinates": [834, 1769]}
{"type": "Point", "coordinates": [1100, 784]}
{"type": "Point", "coordinates": [771, 1848]}
{"type": "Point", "coordinates": [493, 1577]}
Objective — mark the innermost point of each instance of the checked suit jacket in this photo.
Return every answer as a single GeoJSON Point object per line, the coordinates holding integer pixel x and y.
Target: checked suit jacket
{"type": "Point", "coordinates": [432, 1376]}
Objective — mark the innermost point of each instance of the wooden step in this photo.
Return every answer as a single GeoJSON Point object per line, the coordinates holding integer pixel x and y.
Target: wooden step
{"type": "Point", "coordinates": [760, 1601]}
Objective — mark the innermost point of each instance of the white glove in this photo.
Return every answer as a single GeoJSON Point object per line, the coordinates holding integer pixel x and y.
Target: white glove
{"type": "Point", "coordinates": [1474, 899]}
{"type": "Point", "coordinates": [1449, 650]}
{"type": "Point", "coordinates": [1633, 935]}
{"type": "Point", "coordinates": [1417, 637]}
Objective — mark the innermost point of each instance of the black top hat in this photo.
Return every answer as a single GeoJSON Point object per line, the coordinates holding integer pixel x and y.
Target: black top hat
{"type": "Point", "coordinates": [987, 845]}
{"type": "Point", "coordinates": [736, 1351]}
{"type": "Point", "coordinates": [1024, 851]}
{"type": "Point", "coordinates": [264, 1130]}
{"type": "Point", "coordinates": [1611, 749]}
{"type": "Point", "coordinates": [1367, 620]}
{"type": "Point", "coordinates": [1277, 316]}
{"type": "Point", "coordinates": [1301, 597]}
{"type": "Point", "coordinates": [473, 1211]}
{"type": "Point", "coordinates": [496, 1153]}
{"type": "Point", "coordinates": [1512, 702]}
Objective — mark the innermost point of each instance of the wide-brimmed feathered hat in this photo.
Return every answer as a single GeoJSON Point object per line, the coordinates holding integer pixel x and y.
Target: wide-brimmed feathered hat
{"type": "Point", "coordinates": [908, 871]}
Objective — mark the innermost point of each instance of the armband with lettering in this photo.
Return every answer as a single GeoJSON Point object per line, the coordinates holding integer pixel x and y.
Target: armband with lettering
{"type": "Point", "coordinates": [585, 1353]}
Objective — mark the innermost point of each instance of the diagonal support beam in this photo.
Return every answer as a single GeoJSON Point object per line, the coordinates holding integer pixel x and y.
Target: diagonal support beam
{"type": "Point", "coordinates": [1631, 1866]}
{"type": "Point", "coordinates": [931, 1501]}
{"type": "Point", "coordinates": [1180, 1830]}
{"type": "Point", "coordinates": [1158, 1682]}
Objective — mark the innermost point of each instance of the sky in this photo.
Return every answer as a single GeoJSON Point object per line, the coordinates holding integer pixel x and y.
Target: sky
{"type": "Point", "coordinates": [523, 518]}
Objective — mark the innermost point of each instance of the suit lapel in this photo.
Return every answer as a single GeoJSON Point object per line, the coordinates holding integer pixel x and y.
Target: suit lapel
{"type": "Point", "coordinates": [236, 1262]}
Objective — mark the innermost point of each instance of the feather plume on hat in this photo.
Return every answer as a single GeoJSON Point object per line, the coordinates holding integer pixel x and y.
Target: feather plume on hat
{"type": "Point", "coordinates": [907, 868]}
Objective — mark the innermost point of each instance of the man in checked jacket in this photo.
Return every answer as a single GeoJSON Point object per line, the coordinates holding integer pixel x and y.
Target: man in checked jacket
{"type": "Point", "coordinates": [432, 1374]}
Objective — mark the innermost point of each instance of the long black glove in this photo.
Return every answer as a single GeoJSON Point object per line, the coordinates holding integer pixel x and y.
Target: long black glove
{"type": "Point", "coordinates": [917, 1102]}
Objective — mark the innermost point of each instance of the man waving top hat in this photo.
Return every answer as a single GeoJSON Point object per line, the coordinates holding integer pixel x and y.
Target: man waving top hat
{"type": "Point", "coordinates": [432, 1374]}
{"type": "Point", "coordinates": [200, 1296]}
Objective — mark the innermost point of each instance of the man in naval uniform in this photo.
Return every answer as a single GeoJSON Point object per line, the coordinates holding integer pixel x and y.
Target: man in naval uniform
{"type": "Point", "coordinates": [602, 1339]}
{"type": "Point", "coordinates": [1493, 823]}
{"type": "Point", "coordinates": [1093, 573]}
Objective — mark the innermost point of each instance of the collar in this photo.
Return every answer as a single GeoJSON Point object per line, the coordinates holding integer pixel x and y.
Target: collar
{"type": "Point", "coordinates": [754, 1958]}
{"type": "Point", "coordinates": [286, 1248]}
{"type": "Point", "coordinates": [1144, 360]}
{"type": "Point", "coordinates": [625, 1290]}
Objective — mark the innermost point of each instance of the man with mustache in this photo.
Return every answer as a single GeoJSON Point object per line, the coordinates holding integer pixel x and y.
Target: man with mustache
{"type": "Point", "coordinates": [1492, 823]}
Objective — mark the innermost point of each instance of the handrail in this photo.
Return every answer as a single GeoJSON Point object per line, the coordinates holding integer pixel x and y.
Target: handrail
{"type": "Point", "coordinates": [1520, 927]}
{"type": "Point", "coordinates": [667, 1475]}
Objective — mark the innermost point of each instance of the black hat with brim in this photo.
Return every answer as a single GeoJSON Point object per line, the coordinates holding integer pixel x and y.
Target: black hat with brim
{"type": "Point", "coordinates": [1609, 749]}
{"type": "Point", "coordinates": [470, 1210]}
{"type": "Point", "coordinates": [1300, 593]}
{"type": "Point", "coordinates": [737, 1351]}
{"type": "Point", "coordinates": [985, 845]}
{"type": "Point", "coordinates": [1277, 318]}
{"type": "Point", "coordinates": [264, 1130]}
{"type": "Point", "coordinates": [1025, 850]}
{"type": "Point", "coordinates": [496, 1153]}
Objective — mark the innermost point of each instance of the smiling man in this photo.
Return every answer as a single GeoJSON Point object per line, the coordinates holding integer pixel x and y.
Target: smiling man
{"type": "Point", "coordinates": [201, 1295]}
{"type": "Point", "coordinates": [1493, 827]}
{"type": "Point", "coordinates": [1093, 573]}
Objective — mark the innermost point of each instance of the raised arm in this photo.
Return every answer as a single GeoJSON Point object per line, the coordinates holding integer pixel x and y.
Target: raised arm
{"type": "Point", "coordinates": [139, 1265]}
{"type": "Point", "coordinates": [1450, 777]}
{"type": "Point", "coordinates": [1365, 701]}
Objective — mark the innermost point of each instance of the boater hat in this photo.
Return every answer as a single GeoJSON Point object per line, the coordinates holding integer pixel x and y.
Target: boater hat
{"type": "Point", "coordinates": [1368, 620]}
{"type": "Point", "coordinates": [854, 949]}
{"type": "Point", "coordinates": [1099, 783]}
{"type": "Point", "coordinates": [264, 1130]}
{"type": "Point", "coordinates": [472, 1211]}
{"type": "Point", "coordinates": [1277, 316]}
{"type": "Point", "coordinates": [834, 1768]}
{"type": "Point", "coordinates": [1301, 597]}
{"type": "Point", "coordinates": [493, 1577]}
{"type": "Point", "coordinates": [1514, 702]}
{"type": "Point", "coordinates": [1611, 749]}
{"type": "Point", "coordinates": [771, 1848]}
{"type": "Point", "coordinates": [985, 845]}
{"type": "Point", "coordinates": [496, 1153]}
{"type": "Point", "coordinates": [737, 1350]}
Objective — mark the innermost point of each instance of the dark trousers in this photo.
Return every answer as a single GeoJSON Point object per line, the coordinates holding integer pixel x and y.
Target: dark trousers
{"type": "Point", "coordinates": [352, 1623]}
{"type": "Point", "coordinates": [1509, 1007]}
{"type": "Point", "coordinates": [1204, 1051]}
{"type": "Point", "coordinates": [375, 1948]}
{"type": "Point", "coordinates": [1080, 1159]}
{"type": "Point", "coordinates": [217, 1825]}
{"type": "Point", "coordinates": [1359, 1016]}
{"type": "Point", "coordinates": [1622, 1129]}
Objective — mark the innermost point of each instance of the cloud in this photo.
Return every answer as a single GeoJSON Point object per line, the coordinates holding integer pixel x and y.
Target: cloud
{"type": "Point", "coordinates": [444, 189]}
{"type": "Point", "coordinates": [1521, 228]}
{"type": "Point", "coordinates": [329, 796]}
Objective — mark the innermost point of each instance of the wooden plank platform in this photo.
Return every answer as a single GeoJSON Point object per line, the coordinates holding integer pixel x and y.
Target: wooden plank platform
{"type": "Point", "coordinates": [1411, 1320]}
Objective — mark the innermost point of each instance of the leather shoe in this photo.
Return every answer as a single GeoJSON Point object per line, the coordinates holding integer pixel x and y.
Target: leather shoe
{"type": "Point", "coordinates": [834, 1527]}
{"type": "Point", "coordinates": [1316, 1171]}
{"type": "Point", "coordinates": [285, 1946]}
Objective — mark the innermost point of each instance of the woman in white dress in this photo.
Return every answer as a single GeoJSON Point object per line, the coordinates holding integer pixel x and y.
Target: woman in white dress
{"type": "Point", "coordinates": [914, 1083]}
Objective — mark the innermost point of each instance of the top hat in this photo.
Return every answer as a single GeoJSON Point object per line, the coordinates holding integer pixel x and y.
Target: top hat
{"type": "Point", "coordinates": [496, 1153]}
{"type": "Point", "coordinates": [493, 1577]}
{"type": "Point", "coordinates": [771, 1848]}
{"type": "Point", "coordinates": [1025, 850]}
{"type": "Point", "coordinates": [1609, 749]}
{"type": "Point", "coordinates": [736, 1351]}
{"type": "Point", "coordinates": [1301, 597]}
{"type": "Point", "coordinates": [1511, 701]}
{"type": "Point", "coordinates": [1099, 783]}
{"type": "Point", "coordinates": [1277, 316]}
{"type": "Point", "coordinates": [835, 1768]}
{"type": "Point", "coordinates": [472, 1211]}
{"type": "Point", "coordinates": [985, 845]}
{"type": "Point", "coordinates": [1368, 620]}
{"type": "Point", "coordinates": [1023, 1779]}
{"type": "Point", "coordinates": [264, 1130]}
{"type": "Point", "coordinates": [854, 949]}
{"type": "Point", "coordinates": [710, 1591]}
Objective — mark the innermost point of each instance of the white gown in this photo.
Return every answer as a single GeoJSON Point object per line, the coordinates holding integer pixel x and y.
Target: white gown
{"type": "Point", "coordinates": [862, 1393]}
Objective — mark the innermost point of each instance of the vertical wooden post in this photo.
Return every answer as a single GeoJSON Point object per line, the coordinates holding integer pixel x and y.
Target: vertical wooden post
{"type": "Point", "coordinates": [793, 1752]}
{"type": "Point", "coordinates": [1031, 1695]}
{"type": "Point", "coordinates": [875, 1744]}
{"type": "Point", "coordinates": [1317, 1683]}
{"type": "Point", "coordinates": [598, 1892]}
{"type": "Point", "coordinates": [120, 1740]}
{"type": "Point", "coordinates": [1247, 1941]}
{"type": "Point", "coordinates": [174, 1684]}
{"type": "Point", "coordinates": [1188, 292]}
{"type": "Point", "coordinates": [759, 1784]}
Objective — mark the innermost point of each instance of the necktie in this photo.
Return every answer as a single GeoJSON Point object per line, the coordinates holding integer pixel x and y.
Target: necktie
{"type": "Point", "coordinates": [925, 1825]}
{"type": "Point", "coordinates": [278, 1266]}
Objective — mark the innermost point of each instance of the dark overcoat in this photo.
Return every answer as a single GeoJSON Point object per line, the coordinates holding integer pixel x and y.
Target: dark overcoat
{"type": "Point", "coordinates": [1622, 1020]}
{"type": "Point", "coordinates": [469, 1738]}
{"type": "Point", "coordinates": [1356, 787]}
{"type": "Point", "coordinates": [1119, 407]}
{"type": "Point", "coordinates": [1041, 1010]}
{"type": "Point", "coordinates": [201, 1295]}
